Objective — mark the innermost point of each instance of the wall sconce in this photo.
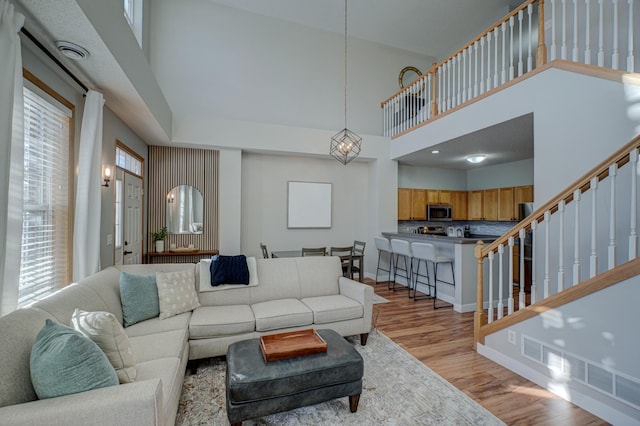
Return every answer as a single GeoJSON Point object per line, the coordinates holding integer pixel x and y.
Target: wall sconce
{"type": "Point", "coordinates": [106, 175]}
{"type": "Point", "coordinates": [171, 197]}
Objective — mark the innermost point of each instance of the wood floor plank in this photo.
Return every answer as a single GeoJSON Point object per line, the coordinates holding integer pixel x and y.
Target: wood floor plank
{"type": "Point", "coordinates": [442, 339]}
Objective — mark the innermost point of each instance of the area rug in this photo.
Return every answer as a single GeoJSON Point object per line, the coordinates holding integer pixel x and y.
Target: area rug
{"type": "Point", "coordinates": [397, 390]}
{"type": "Point", "coordinates": [379, 299]}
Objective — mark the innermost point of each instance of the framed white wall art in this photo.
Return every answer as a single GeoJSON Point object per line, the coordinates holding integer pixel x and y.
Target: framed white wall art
{"type": "Point", "coordinates": [308, 205]}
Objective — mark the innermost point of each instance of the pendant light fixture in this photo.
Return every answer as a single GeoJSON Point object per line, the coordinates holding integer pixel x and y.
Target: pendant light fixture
{"type": "Point", "coordinates": [345, 145]}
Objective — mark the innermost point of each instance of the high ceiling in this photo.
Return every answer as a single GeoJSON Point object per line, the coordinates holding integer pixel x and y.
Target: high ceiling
{"type": "Point", "coordinates": [434, 28]}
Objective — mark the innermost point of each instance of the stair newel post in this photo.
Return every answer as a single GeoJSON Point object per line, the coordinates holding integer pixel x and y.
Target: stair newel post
{"type": "Point", "coordinates": [561, 206]}
{"type": "Point", "coordinates": [541, 52]}
{"type": "Point", "coordinates": [577, 196]}
{"type": "Point", "coordinates": [491, 256]}
{"type": "Point", "coordinates": [613, 171]}
{"type": "Point", "coordinates": [633, 231]}
{"type": "Point", "coordinates": [534, 285]}
{"type": "Point", "coordinates": [547, 243]}
{"type": "Point", "coordinates": [500, 281]}
{"type": "Point", "coordinates": [434, 90]}
{"type": "Point", "coordinates": [510, 244]}
{"type": "Point", "coordinates": [593, 259]}
{"type": "Point", "coordinates": [521, 295]}
{"type": "Point", "coordinates": [480, 318]}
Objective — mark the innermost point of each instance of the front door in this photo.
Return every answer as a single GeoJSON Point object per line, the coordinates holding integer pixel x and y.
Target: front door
{"type": "Point", "coordinates": [132, 219]}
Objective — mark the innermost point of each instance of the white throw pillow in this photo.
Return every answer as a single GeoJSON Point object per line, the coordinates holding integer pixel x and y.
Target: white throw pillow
{"type": "Point", "coordinates": [176, 292]}
{"type": "Point", "coordinates": [107, 332]}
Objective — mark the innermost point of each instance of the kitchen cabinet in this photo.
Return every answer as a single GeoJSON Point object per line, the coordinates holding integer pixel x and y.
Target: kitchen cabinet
{"type": "Point", "coordinates": [474, 201]}
{"type": "Point", "coordinates": [444, 197]}
{"type": "Point", "coordinates": [432, 196]}
{"type": "Point", "coordinates": [412, 204]}
{"type": "Point", "coordinates": [490, 204]}
{"type": "Point", "coordinates": [522, 194]}
{"type": "Point", "coordinates": [506, 207]}
{"type": "Point", "coordinates": [458, 201]}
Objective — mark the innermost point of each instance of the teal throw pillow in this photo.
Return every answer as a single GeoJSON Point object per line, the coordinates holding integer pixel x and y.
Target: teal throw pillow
{"type": "Point", "coordinates": [139, 297]}
{"type": "Point", "coordinates": [64, 362]}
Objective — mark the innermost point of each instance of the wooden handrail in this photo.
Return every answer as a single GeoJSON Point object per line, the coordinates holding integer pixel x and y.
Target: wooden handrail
{"type": "Point", "coordinates": [601, 171]}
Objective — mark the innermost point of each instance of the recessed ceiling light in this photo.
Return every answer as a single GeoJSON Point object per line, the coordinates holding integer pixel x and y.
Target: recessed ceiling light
{"type": "Point", "coordinates": [435, 151]}
{"type": "Point", "coordinates": [477, 158]}
{"type": "Point", "coordinates": [72, 50]}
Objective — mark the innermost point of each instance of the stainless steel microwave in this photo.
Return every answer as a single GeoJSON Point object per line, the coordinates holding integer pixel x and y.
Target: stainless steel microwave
{"type": "Point", "coordinates": [438, 212]}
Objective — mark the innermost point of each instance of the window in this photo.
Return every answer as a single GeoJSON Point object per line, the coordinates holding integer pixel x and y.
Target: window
{"type": "Point", "coordinates": [46, 241]}
{"type": "Point", "coordinates": [133, 14]}
{"type": "Point", "coordinates": [127, 160]}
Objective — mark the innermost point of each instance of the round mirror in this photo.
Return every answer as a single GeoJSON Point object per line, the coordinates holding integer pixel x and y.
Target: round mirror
{"type": "Point", "coordinates": [408, 75]}
{"type": "Point", "coordinates": [185, 210]}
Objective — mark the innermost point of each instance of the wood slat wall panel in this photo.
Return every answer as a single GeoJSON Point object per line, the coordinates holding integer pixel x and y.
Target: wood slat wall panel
{"type": "Point", "coordinates": [170, 167]}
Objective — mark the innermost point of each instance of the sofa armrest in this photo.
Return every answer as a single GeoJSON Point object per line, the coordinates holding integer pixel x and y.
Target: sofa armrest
{"type": "Point", "coordinates": [359, 292]}
{"type": "Point", "coordinates": [138, 403]}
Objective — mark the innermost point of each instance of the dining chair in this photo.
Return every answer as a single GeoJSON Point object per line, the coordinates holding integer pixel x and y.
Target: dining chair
{"type": "Point", "coordinates": [346, 258]}
{"type": "Point", "coordinates": [317, 251]}
{"type": "Point", "coordinates": [357, 262]}
{"type": "Point", "coordinates": [265, 252]}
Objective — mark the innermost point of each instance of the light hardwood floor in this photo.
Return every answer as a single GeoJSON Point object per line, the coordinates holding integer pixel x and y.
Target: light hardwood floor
{"type": "Point", "coordinates": [443, 340]}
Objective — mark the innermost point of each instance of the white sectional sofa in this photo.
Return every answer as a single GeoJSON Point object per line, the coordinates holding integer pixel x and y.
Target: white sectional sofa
{"type": "Point", "coordinates": [284, 294]}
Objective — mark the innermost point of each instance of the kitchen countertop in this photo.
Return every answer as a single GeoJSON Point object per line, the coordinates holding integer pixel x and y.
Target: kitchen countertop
{"type": "Point", "coordinates": [473, 239]}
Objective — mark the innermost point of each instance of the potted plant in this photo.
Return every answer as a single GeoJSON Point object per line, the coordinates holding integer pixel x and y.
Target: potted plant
{"type": "Point", "coordinates": [159, 237]}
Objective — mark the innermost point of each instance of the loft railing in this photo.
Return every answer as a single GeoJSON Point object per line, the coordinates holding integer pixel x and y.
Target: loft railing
{"type": "Point", "coordinates": [599, 32]}
{"type": "Point", "coordinates": [588, 229]}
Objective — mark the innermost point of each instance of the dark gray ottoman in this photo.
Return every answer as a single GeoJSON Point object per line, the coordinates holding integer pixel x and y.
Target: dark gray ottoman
{"type": "Point", "coordinates": [256, 388]}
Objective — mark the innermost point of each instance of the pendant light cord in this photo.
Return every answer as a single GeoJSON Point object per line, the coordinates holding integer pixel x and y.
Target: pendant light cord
{"type": "Point", "coordinates": [345, 64]}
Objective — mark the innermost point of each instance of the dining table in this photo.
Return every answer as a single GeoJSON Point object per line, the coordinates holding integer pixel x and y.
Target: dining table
{"type": "Point", "coordinates": [298, 253]}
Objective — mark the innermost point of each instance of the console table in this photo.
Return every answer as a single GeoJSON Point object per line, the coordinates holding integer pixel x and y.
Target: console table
{"type": "Point", "coordinates": [179, 256]}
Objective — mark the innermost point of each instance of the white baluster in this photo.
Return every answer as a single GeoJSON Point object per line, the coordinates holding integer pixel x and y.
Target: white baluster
{"type": "Point", "coordinates": [495, 58]}
{"type": "Point", "coordinates": [577, 196]}
{"type": "Point", "coordinates": [521, 295]}
{"type": "Point", "coordinates": [613, 171]}
{"type": "Point", "coordinates": [491, 256]}
{"type": "Point", "coordinates": [440, 94]}
{"type": "Point", "coordinates": [593, 260]}
{"type": "Point", "coordinates": [561, 206]}
{"type": "Point", "coordinates": [529, 56]}
{"type": "Point", "coordinates": [475, 79]}
{"type": "Point", "coordinates": [489, 36]}
{"type": "Point", "coordinates": [470, 75]}
{"type": "Point", "coordinates": [630, 58]}
{"type": "Point", "coordinates": [427, 107]}
{"type": "Point", "coordinates": [563, 48]}
{"type": "Point", "coordinates": [553, 30]}
{"type": "Point", "coordinates": [547, 234]}
{"type": "Point", "coordinates": [510, 275]}
{"type": "Point", "coordinates": [575, 31]}
{"type": "Point", "coordinates": [534, 285]}
{"type": "Point", "coordinates": [633, 227]}
{"type": "Point", "coordinates": [615, 57]}
{"type": "Point", "coordinates": [459, 79]}
{"type": "Point", "coordinates": [601, 34]}
{"type": "Point", "coordinates": [520, 64]}
{"type": "Point", "coordinates": [587, 45]}
{"type": "Point", "coordinates": [448, 84]}
{"type": "Point", "coordinates": [464, 76]}
{"type": "Point", "coordinates": [503, 69]}
{"type": "Point", "coordinates": [511, 68]}
{"type": "Point", "coordinates": [482, 65]}
{"type": "Point", "coordinates": [500, 281]}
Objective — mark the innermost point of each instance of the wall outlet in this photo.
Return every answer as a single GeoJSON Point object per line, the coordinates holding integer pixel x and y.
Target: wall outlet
{"type": "Point", "coordinates": [109, 239]}
{"type": "Point", "coordinates": [511, 336]}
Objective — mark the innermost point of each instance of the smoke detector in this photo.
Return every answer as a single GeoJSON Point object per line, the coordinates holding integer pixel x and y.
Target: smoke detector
{"type": "Point", "coordinates": [72, 50]}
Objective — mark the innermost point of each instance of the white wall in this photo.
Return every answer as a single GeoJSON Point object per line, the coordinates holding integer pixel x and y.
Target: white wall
{"type": "Point", "coordinates": [517, 173]}
{"type": "Point", "coordinates": [431, 178]}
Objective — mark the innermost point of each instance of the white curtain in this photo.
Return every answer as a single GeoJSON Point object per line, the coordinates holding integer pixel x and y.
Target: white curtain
{"type": "Point", "coordinates": [11, 155]}
{"type": "Point", "coordinates": [86, 229]}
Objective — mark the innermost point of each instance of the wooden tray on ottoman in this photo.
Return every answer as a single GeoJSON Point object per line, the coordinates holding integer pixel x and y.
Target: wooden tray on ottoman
{"type": "Point", "coordinates": [291, 344]}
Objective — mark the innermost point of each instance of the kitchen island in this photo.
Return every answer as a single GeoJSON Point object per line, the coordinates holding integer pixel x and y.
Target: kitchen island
{"type": "Point", "coordinates": [463, 295]}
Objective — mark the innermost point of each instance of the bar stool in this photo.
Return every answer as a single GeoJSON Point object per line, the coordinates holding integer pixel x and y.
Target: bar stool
{"type": "Point", "coordinates": [384, 246]}
{"type": "Point", "coordinates": [423, 253]}
{"type": "Point", "coordinates": [402, 250]}
{"type": "Point", "coordinates": [437, 260]}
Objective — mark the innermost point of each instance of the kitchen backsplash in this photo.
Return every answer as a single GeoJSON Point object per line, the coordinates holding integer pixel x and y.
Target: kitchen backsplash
{"type": "Point", "coordinates": [475, 227]}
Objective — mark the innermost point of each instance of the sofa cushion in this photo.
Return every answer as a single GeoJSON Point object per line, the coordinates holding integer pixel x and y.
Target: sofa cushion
{"type": "Point", "coordinates": [215, 321]}
{"type": "Point", "coordinates": [281, 313]}
{"type": "Point", "coordinates": [139, 296]}
{"type": "Point", "coordinates": [156, 325]}
{"type": "Point", "coordinates": [159, 345]}
{"type": "Point", "coordinates": [169, 372]}
{"type": "Point", "coordinates": [64, 362]}
{"type": "Point", "coordinates": [176, 292]}
{"type": "Point", "coordinates": [105, 330]}
{"type": "Point", "coordinates": [318, 275]}
{"type": "Point", "coordinates": [63, 302]}
{"type": "Point", "coordinates": [229, 270]}
{"type": "Point", "coordinates": [328, 309]}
